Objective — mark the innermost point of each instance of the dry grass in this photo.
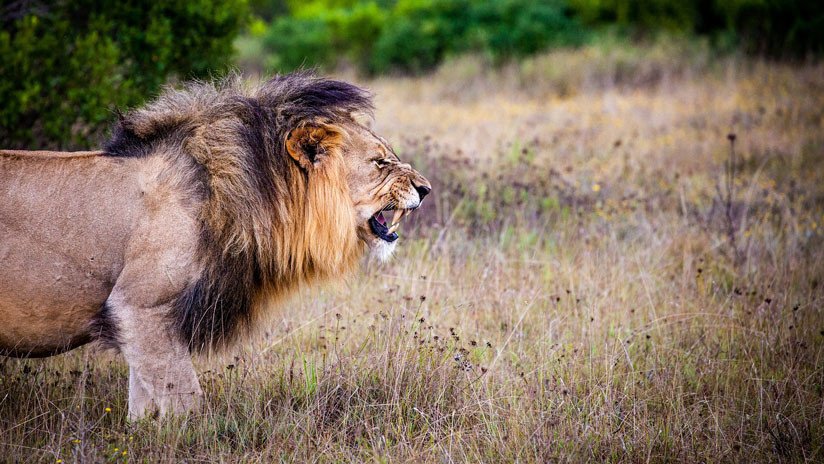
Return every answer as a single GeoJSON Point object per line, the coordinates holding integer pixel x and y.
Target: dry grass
{"type": "Point", "coordinates": [580, 288]}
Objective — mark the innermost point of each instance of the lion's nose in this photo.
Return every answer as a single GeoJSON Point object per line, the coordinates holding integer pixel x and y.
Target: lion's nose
{"type": "Point", "coordinates": [423, 190]}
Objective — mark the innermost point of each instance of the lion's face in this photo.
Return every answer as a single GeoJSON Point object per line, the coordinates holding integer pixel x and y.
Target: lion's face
{"type": "Point", "coordinates": [383, 188]}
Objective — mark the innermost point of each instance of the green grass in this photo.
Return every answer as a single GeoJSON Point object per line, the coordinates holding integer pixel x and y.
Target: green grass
{"type": "Point", "coordinates": [574, 291]}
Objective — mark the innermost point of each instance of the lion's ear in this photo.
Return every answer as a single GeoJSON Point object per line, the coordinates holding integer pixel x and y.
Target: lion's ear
{"type": "Point", "coordinates": [309, 145]}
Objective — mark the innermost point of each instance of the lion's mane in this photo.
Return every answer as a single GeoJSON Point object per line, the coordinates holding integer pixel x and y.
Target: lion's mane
{"type": "Point", "coordinates": [267, 226]}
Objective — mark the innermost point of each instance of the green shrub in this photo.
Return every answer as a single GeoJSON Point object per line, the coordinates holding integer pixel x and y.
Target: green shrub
{"type": "Point", "coordinates": [268, 10]}
{"type": "Point", "coordinates": [46, 95]}
{"type": "Point", "coordinates": [774, 27]}
{"type": "Point", "coordinates": [65, 67]}
{"type": "Point", "coordinates": [420, 33]}
{"type": "Point", "coordinates": [520, 28]}
{"type": "Point", "coordinates": [297, 43]}
{"type": "Point", "coordinates": [778, 27]}
{"type": "Point", "coordinates": [413, 36]}
{"type": "Point", "coordinates": [318, 35]}
{"type": "Point", "coordinates": [355, 31]}
{"type": "Point", "coordinates": [671, 15]}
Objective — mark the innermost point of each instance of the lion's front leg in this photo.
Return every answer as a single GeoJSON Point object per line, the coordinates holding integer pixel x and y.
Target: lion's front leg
{"type": "Point", "coordinates": [158, 266]}
{"type": "Point", "coordinates": [162, 378]}
{"type": "Point", "coordinates": [154, 389]}
{"type": "Point", "coordinates": [168, 385]}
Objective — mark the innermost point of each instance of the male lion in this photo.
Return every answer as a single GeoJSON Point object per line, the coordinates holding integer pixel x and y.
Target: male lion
{"type": "Point", "coordinates": [206, 206]}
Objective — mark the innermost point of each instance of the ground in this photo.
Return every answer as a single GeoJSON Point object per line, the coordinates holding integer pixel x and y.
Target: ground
{"type": "Point", "coordinates": [621, 260]}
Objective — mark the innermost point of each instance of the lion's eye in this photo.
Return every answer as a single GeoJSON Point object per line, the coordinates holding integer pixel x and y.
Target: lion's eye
{"type": "Point", "coordinates": [381, 162]}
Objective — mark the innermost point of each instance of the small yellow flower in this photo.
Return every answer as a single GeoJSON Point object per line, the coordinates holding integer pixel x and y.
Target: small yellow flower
{"type": "Point", "coordinates": [596, 187]}
{"type": "Point", "coordinates": [59, 461]}
{"type": "Point", "coordinates": [76, 441]}
{"type": "Point", "coordinates": [123, 453]}
{"type": "Point", "coordinates": [116, 450]}
{"type": "Point", "coordinates": [108, 409]}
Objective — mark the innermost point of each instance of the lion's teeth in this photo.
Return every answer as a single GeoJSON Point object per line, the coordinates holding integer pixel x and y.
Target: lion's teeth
{"type": "Point", "coordinates": [396, 220]}
{"type": "Point", "coordinates": [398, 216]}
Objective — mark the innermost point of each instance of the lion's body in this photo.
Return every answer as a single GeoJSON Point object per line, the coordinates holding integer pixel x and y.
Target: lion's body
{"type": "Point", "coordinates": [61, 245]}
{"type": "Point", "coordinates": [95, 247]}
{"type": "Point", "coordinates": [205, 207]}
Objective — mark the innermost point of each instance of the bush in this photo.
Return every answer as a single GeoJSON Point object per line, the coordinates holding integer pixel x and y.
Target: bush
{"type": "Point", "coordinates": [298, 43]}
{"type": "Point", "coordinates": [65, 67]}
{"type": "Point", "coordinates": [317, 36]}
{"type": "Point", "coordinates": [356, 30]}
{"type": "Point", "coordinates": [783, 28]}
{"type": "Point", "coordinates": [268, 10]}
{"type": "Point", "coordinates": [416, 35]}
{"type": "Point", "coordinates": [413, 36]}
{"type": "Point", "coordinates": [523, 27]}
{"type": "Point", "coordinates": [779, 27]}
{"type": "Point", "coordinates": [420, 33]}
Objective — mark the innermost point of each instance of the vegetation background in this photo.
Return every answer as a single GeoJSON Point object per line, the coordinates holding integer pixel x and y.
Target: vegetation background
{"type": "Point", "coordinates": [621, 261]}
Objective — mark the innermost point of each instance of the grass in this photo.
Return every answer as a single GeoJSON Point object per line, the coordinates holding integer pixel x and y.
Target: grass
{"type": "Point", "coordinates": [571, 293]}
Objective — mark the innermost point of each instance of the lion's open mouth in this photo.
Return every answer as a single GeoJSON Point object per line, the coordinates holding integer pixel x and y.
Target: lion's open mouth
{"type": "Point", "coordinates": [387, 232]}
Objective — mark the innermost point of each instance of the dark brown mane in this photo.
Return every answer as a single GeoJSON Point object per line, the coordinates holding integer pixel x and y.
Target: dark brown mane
{"type": "Point", "coordinates": [234, 136]}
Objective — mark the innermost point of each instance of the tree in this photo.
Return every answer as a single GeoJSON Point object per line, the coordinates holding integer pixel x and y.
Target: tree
{"type": "Point", "coordinates": [66, 66]}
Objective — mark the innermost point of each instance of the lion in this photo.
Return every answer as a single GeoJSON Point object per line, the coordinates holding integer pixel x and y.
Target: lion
{"type": "Point", "coordinates": [206, 207]}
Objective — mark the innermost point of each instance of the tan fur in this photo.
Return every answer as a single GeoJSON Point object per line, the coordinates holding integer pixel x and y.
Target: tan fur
{"type": "Point", "coordinates": [85, 231]}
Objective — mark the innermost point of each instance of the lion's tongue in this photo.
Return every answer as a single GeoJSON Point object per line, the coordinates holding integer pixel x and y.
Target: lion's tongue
{"type": "Point", "coordinates": [380, 218]}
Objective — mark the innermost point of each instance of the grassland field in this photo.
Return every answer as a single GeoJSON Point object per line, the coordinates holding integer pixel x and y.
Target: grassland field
{"type": "Point", "coordinates": [622, 261]}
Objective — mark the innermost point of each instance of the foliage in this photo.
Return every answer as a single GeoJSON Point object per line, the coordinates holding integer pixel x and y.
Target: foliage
{"type": "Point", "coordinates": [298, 39]}
{"type": "Point", "coordinates": [268, 10]}
{"type": "Point", "coordinates": [65, 67]}
{"type": "Point", "coordinates": [416, 35]}
{"type": "Point", "coordinates": [317, 36]}
{"type": "Point", "coordinates": [775, 27]}
{"type": "Point", "coordinates": [523, 27]}
{"type": "Point", "coordinates": [420, 33]}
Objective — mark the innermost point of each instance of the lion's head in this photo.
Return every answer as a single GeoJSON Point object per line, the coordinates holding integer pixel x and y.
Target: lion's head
{"type": "Point", "coordinates": [381, 188]}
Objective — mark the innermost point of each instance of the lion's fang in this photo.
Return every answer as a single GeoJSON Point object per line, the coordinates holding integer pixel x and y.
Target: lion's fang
{"type": "Point", "coordinates": [396, 220]}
